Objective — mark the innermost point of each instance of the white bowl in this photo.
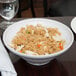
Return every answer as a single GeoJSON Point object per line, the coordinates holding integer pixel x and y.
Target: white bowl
{"type": "Point", "coordinates": [73, 25]}
{"type": "Point", "coordinates": [10, 32]}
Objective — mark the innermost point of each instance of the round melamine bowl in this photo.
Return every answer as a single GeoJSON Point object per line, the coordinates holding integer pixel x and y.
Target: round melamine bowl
{"type": "Point", "coordinates": [73, 24]}
{"type": "Point", "coordinates": [11, 31]}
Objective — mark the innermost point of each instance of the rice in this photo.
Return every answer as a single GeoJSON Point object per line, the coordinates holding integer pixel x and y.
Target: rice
{"type": "Point", "coordinates": [38, 40]}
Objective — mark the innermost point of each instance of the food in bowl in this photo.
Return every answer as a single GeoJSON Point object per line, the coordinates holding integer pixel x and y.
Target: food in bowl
{"type": "Point", "coordinates": [38, 40]}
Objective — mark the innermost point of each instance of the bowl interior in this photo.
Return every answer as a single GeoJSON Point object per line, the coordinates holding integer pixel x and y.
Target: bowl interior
{"type": "Point", "coordinates": [11, 31]}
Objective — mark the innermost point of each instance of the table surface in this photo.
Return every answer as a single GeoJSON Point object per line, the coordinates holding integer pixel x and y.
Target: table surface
{"type": "Point", "coordinates": [64, 65]}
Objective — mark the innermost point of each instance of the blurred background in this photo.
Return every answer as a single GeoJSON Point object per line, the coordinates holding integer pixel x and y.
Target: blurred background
{"type": "Point", "coordinates": [46, 8]}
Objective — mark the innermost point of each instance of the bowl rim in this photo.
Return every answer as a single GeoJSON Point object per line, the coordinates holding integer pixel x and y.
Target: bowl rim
{"type": "Point", "coordinates": [40, 56]}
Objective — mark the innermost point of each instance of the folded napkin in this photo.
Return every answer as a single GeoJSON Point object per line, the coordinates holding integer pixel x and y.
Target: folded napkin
{"type": "Point", "coordinates": [6, 66]}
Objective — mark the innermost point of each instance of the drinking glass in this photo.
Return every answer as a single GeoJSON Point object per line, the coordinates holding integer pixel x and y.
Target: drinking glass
{"type": "Point", "coordinates": [8, 9]}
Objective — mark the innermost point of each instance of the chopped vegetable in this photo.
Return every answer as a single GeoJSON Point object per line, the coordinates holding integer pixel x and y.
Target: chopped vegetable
{"type": "Point", "coordinates": [20, 51]}
{"type": "Point", "coordinates": [60, 44]}
{"type": "Point", "coordinates": [61, 47]}
{"type": "Point", "coordinates": [39, 45]}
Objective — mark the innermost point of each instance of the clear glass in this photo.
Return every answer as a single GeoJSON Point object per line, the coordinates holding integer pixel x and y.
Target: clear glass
{"type": "Point", "coordinates": [8, 9]}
